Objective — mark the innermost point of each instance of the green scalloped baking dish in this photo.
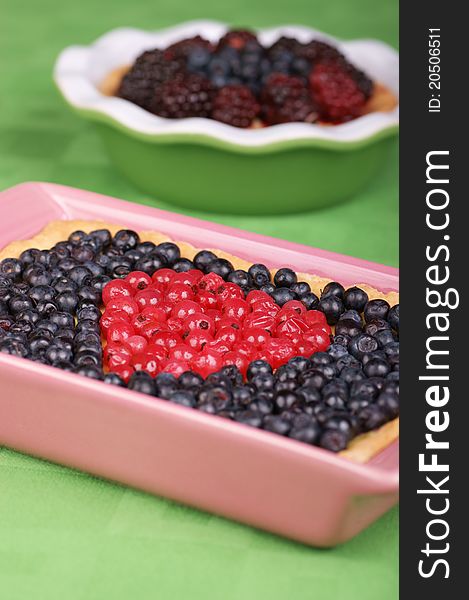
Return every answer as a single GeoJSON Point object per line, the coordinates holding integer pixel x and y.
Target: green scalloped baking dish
{"type": "Point", "coordinates": [206, 165]}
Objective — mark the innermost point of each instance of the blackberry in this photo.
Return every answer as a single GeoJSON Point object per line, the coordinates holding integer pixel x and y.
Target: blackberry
{"type": "Point", "coordinates": [150, 70]}
{"type": "Point", "coordinates": [188, 96]}
{"type": "Point", "coordinates": [337, 94]}
{"type": "Point", "coordinates": [183, 48]}
{"type": "Point", "coordinates": [235, 105]}
{"type": "Point", "coordinates": [287, 99]}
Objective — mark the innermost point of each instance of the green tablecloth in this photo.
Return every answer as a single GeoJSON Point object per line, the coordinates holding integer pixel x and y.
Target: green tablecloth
{"type": "Point", "coordinates": [66, 535]}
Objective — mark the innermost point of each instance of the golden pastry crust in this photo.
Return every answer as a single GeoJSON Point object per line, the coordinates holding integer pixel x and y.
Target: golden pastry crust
{"type": "Point", "coordinates": [381, 100]}
{"type": "Point", "coordinates": [361, 449]}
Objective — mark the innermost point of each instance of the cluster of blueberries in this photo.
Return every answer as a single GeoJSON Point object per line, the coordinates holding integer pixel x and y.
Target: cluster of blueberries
{"type": "Point", "coordinates": [50, 310]}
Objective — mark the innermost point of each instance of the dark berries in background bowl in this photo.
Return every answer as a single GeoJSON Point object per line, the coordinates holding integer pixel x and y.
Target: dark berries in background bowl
{"type": "Point", "coordinates": [238, 81]}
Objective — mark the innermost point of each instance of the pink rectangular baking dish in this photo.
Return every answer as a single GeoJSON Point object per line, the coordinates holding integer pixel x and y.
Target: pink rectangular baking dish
{"type": "Point", "coordinates": [255, 477]}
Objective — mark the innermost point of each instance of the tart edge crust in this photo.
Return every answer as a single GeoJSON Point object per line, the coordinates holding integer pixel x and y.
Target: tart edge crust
{"type": "Point", "coordinates": [361, 449]}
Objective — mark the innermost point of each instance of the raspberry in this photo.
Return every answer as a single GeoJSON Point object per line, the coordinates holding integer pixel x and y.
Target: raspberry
{"type": "Point", "coordinates": [336, 92]}
{"type": "Point", "coordinates": [181, 49]}
{"type": "Point", "coordinates": [149, 71]}
{"type": "Point", "coordinates": [188, 96]}
{"type": "Point", "coordinates": [287, 99]}
{"type": "Point", "coordinates": [235, 105]}
{"type": "Point", "coordinates": [237, 38]}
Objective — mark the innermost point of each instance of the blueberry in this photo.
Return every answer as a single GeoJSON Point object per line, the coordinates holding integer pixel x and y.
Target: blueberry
{"type": "Point", "coordinates": [11, 268]}
{"type": "Point", "coordinates": [352, 315]}
{"type": "Point", "coordinates": [371, 417]}
{"type": "Point", "coordinates": [299, 363]}
{"type": "Point", "coordinates": [13, 347]}
{"type": "Point", "coordinates": [140, 381]}
{"type": "Point", "coordinates": [249, 417]}
{"type": "Point", "coordinates": [331, 305]}
{"type": "Point", "coordinates": [285, 278]}
{"type": "Point", "coordinates": [333, 289]}
{"type": "Point", "coordinates": [151, 262]}
{"type": "Point", "coordinates": [170, 251]}
{"type": "Point", "coordinates": [114, 379]}
{"type": "Point", "coordinates": [219, 378]}
{"type": "Point", "coordinates": [333, 440]}
{"type": "Point", "coordinates": [263, 382]}
{"type": "Point", "coordinates": [102, 235]}
{"type": "Point", "coordinates": [393, 317]}
{"type": "Point", "coordinates": [80, 275]}
{"type": "Point", "coordinates": [376, 367]}
{"type": "Point", "coordinates": [125, 239]}
{"type": "Point", "coordinates": [282, 295]}
{"type": "Point", "coordinates": [276, 424]}
{"type": "Point", "coordinates": [165, 383]}
{"type": "Point", "coordinates": [364, 388]}
{"type": "Point", "coordinates": [268, 288]}
{"type": "Point", "coordinates": [260, 275]}
{"type": "Point", "coordinates": [233, 374]}
{"type": "Point", "coordinates": [215, 395]}
{"type": "Point", "coordinates": [388, 402]}
{"type": "Point", "coordinates": [76, 237]}
{"type": "Point", "coordinates": [352, 374]}
{"type": "Point", "coordinates": [67, 301]}
{"type": "Point", "coordinates": [39, 293]}
{"type": "Point", "coordinates": [91, 313]}
{"type": "Point", "coordinates": [308, 394]}
{"type": "Point", "coordinates": [313, 378]}
{"type": "Point", "coordinates": [203, 259]}
{"type": "Point", "coordinates": [384, 337]}
{"type": "Point", "coordinates": [58, 353]}
{"type": "Point", "coordinates": [19, 303]}
{"type": "Point", "coordinates": [336, 351]}
{"type": "Point", "coordinates": [258, 367]}
{"type": "Point", "coordinates": [320, 358]}
{"type": "Point", "coordinates": [284, 400]}
{"type": "Point", "coordinates": [242, 395]}
{"type": "Point", "coordinates": [99, 281]}
{"type": "Point", "coordinates": [308, 434]}
{"type": "Point", "coordinates": [37, 275]}
{"type": "Point", "coordinates": [281, 386]}
{"type": "Point", "coordinates": [183, 265]}
{"type": "Point", "coordinates": [64, 284]}
{"type": "Point", "coordinates": [392, 352]}
{"type": "Point", "coordinates": [28, 257]}
{"type": "Point", "coordinates": [241, 278]}
{"type": "Point", "coordinates": [348, 327]}
{"type": "Point", "coordinates": [310, 300]}
{"type": "Point", "coordinates": [300, 288]}
{"type": "Point", "coordinates": [221, 267]}
{"type": "Point", "coordinates": [39, 344]}
{"type": "Point", "coordinates": [355, 299]}
{"type": "Point", "coordinates": [261, 404]}
{"type": "Point", "coordinates": [90, 294]}
{"type": "Point", "coordinates": [286, 373]}
{"type": "Point", "coordinates": [190, 380]}
{"type": "Point", "coordinates": [362, 344]}
{"type": "Point", "coordinates": [376, 309]}
{"type": "Point", "coordinates": [90, 371]}
{"type": "Point", "coordinates": [62, 319]}
{"type": "Point", "coordinates": [83, 253]}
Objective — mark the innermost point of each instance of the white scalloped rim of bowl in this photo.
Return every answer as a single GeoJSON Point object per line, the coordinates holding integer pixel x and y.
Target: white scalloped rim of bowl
{"type": "Point", "coordinates": [79, 70]}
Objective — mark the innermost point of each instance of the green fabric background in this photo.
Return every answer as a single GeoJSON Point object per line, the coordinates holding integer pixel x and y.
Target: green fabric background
{"type": "Point", "coordinates": [66, 535]}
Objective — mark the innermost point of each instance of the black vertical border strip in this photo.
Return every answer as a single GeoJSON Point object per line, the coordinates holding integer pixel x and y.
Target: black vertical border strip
{"type": "Point", "coordinates": [422, 132]}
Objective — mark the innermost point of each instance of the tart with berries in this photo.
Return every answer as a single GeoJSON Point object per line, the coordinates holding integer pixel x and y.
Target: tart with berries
{"type": "Point", "coordinates": [241, 82]}
{"type": "Point", "coordinates": [290, 353]}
